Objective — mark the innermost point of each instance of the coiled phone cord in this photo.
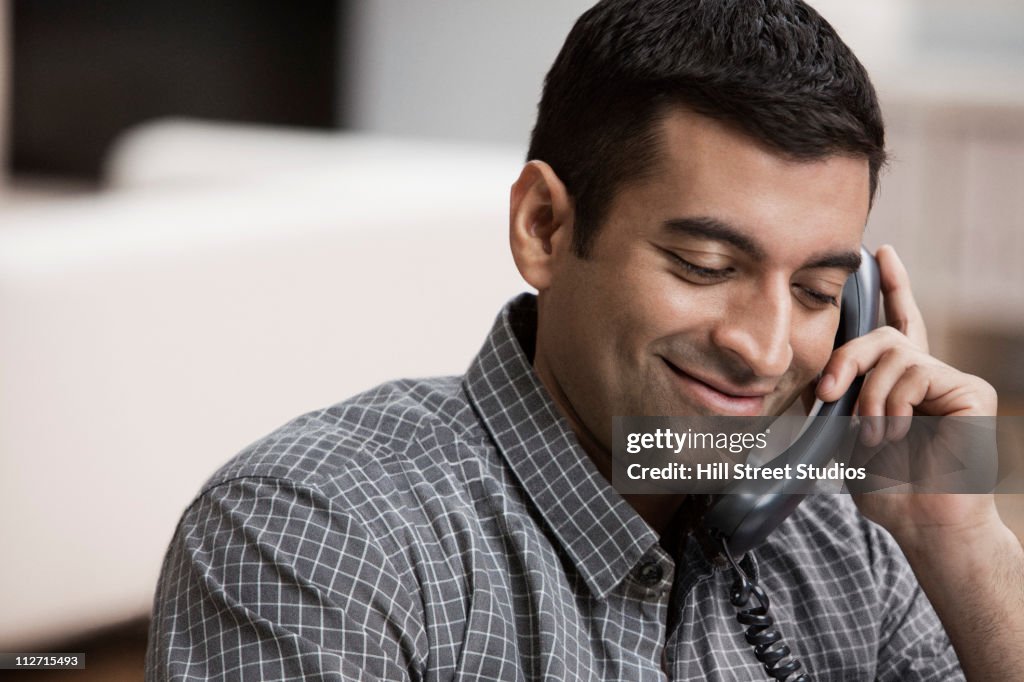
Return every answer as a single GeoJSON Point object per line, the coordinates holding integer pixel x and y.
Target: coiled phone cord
{"type": "Point", "coordinates": [760, 633]}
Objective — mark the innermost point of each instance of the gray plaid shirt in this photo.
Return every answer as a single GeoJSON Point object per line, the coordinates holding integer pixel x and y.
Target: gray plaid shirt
{"type": "Point", "coordinates": [454, 529]}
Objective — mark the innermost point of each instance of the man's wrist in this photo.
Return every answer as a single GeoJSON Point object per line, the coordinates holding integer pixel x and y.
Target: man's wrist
{"type": "Point", "coordinates": [957, 551]}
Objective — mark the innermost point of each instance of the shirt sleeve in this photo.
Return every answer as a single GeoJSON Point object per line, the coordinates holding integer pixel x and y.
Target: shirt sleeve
{"type": "Point", "coordinates": [266, 579]}
{"type": "Point", "coordinates": [913, 645]}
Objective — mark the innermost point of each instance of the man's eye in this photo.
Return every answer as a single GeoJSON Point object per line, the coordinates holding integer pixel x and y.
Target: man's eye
{"type": "Point", "coordinates": [710, 274]}
{"type": "Point", "coordinates": [817, 298]}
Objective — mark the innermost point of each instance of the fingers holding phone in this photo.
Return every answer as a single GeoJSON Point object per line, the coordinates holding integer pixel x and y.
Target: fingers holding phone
{"type": "Point", "coordinates": [902, 378]}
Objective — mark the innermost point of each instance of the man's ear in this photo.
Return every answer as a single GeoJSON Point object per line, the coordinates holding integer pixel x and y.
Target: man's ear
{"type": "Point", "coordinates": [540, 223]}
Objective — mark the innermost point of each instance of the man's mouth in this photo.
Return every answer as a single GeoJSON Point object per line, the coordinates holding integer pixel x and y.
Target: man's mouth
{"type": "Point", "coordinates": [716, 396]}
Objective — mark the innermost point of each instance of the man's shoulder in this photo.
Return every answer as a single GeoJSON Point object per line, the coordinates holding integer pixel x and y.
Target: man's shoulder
{"type": "Point", "coordinates": [374, 434]}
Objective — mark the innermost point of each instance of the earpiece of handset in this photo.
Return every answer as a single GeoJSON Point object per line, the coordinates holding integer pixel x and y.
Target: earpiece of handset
{"type": "Point", "coordinates": [859, 307]}
{"type": "Point", "coordinates": [750, 510]}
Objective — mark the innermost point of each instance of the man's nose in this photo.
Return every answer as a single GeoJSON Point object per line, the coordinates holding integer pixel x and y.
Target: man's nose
{"type": "Point", "coordinates": [757, 330]}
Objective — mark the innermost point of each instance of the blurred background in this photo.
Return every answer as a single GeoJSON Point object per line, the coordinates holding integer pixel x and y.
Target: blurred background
{"type": "Point", "coordinates": [217, 215]}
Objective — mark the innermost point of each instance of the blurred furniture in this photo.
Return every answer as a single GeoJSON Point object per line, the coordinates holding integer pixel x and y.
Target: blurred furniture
{"type": "Point", "coordinates": [952, 203]}
{"type": "Point", "coordinates": [153, 330]}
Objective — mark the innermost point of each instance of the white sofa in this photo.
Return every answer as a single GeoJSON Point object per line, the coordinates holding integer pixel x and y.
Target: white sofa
{"type": "Point", "coordinates": [153, 330]}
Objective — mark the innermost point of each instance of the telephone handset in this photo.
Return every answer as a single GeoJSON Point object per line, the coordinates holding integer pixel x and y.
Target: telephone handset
{"type": "Point", "coordinates": [748, 513]}
{"type": "Point", "coordinates": [742, 518]}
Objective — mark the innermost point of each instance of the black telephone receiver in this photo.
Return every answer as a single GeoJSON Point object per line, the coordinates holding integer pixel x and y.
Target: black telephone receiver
{"type": "Point", "coordinates": [748, 513]}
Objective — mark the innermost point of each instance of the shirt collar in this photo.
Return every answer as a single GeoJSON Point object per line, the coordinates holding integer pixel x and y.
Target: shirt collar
{"type": "Point", "coordinates": [596, 527]}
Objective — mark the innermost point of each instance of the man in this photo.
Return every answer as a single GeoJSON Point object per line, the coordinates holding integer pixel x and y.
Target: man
{"type": "Point", "coordinates": [700, 177]}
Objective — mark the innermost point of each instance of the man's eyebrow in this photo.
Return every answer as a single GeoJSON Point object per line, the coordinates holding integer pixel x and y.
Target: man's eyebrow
{"type": "Point", "coordinates": [715, 229]}
{"type": "Point", "coordinates": [842, 260]}
{"type": "Point", "coordinates": [712, 228]}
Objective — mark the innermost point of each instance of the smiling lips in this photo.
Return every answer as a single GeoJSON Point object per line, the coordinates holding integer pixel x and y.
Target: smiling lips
{"type": "Point", "coordinates": [718, 398]}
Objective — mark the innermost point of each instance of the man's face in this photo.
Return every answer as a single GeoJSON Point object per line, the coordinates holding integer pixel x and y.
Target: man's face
{"type": "Point", "coordinates": [712, 286]}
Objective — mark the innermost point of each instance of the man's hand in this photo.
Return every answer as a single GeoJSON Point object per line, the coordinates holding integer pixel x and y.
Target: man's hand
{"type": "Point", "coordinates": [968, 562]}
{"type": "Point", "coordinates": [904, 380]}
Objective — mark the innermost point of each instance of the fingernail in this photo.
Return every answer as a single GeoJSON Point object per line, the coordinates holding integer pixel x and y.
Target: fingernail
{"type": "Point", "coordinates": [827, 383]}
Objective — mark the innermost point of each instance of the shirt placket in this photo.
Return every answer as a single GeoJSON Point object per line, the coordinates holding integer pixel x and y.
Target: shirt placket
{"type": "Point", "coordinates": [647, 589]}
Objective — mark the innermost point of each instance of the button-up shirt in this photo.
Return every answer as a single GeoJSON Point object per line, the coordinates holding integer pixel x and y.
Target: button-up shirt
{"type": "Point", "coordinates": [454, 528]}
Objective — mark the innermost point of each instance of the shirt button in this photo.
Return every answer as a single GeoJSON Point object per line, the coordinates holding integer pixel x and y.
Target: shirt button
{"type": "Point", "coordinates": [649, 573]}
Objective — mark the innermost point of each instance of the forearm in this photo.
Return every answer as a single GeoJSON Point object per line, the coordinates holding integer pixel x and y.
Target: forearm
{"type": "Point", "coordinates": [975, 582]}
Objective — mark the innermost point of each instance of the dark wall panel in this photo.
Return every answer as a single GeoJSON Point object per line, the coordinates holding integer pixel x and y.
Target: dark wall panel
{"type": "Point", "coordinates": [84, 71]}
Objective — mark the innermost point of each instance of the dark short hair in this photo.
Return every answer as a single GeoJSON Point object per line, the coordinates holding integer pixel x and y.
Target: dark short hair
{"type": "Point", "coordinates": [774, 69]}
